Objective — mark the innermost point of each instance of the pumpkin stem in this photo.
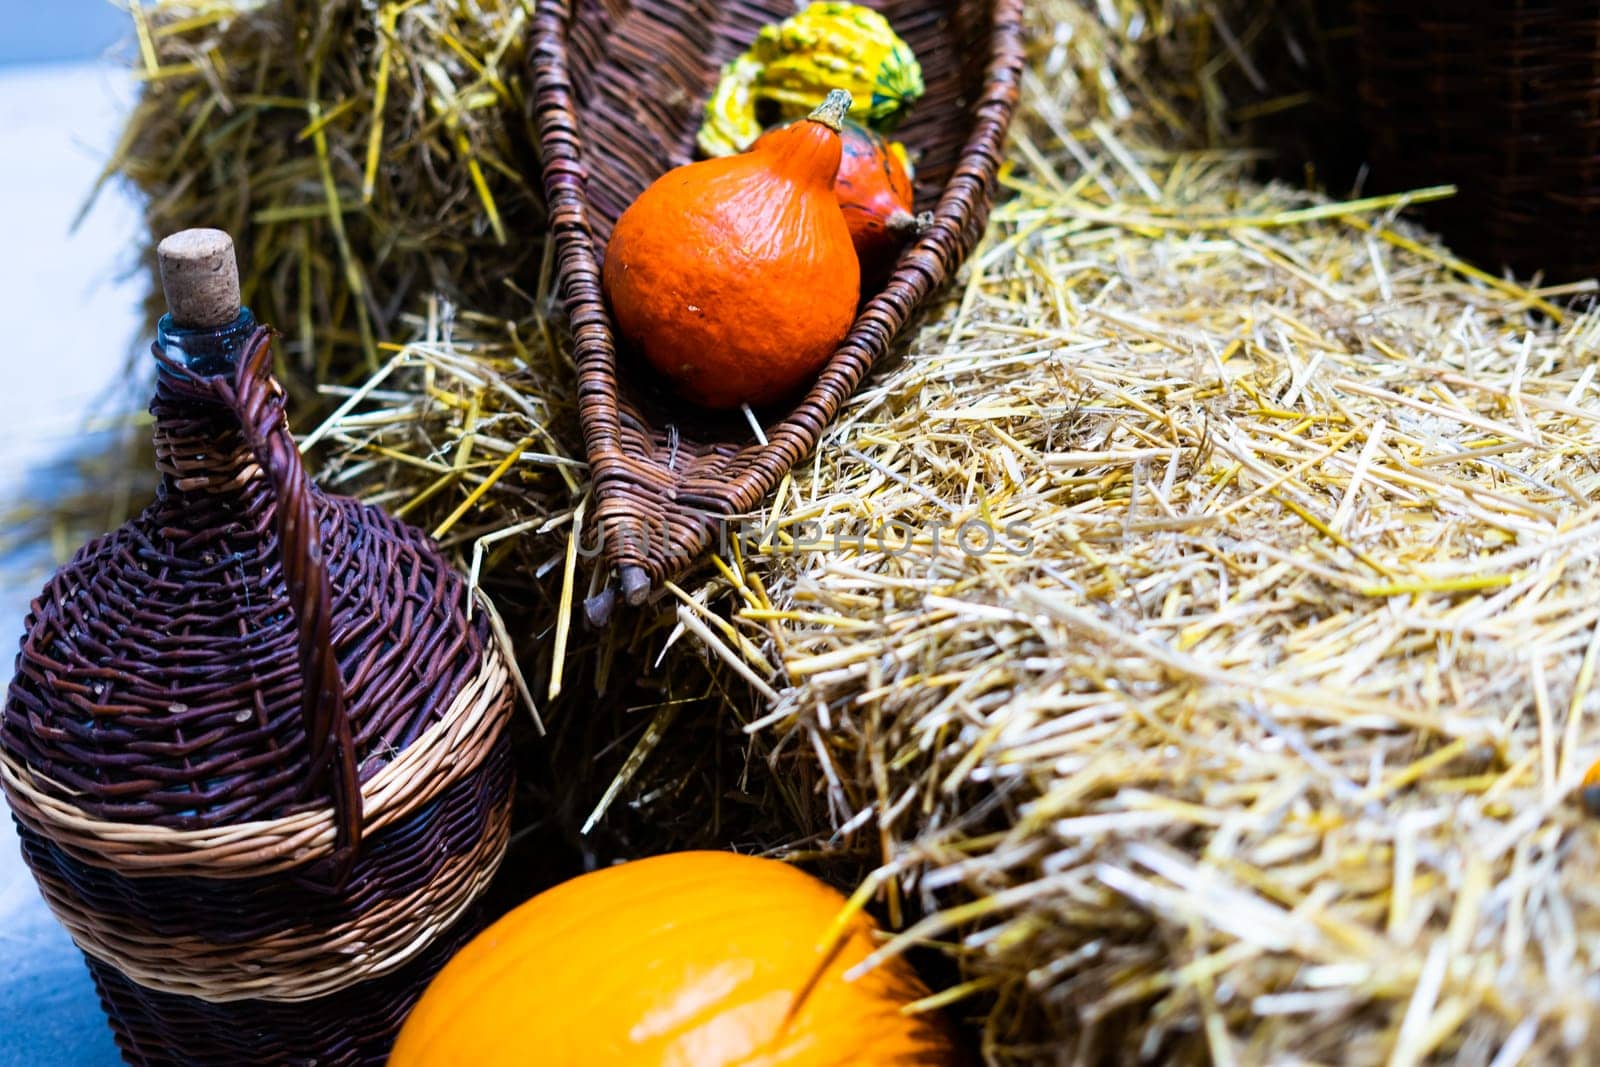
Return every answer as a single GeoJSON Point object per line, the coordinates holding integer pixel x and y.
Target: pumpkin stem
{"type": "Point", "coordinates": [831, 112]}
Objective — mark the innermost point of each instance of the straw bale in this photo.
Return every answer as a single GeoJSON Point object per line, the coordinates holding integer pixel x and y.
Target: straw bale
{"type": "Point", "coordinates": [361, 154]}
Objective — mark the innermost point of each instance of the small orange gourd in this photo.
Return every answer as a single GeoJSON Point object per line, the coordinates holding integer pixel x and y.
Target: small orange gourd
{"type": "Point", "coordinates": [693, 959]}
{"type": "Point", "coordinates": [874, 191]}
{"type": "Point", "coordinates": [735, 277]}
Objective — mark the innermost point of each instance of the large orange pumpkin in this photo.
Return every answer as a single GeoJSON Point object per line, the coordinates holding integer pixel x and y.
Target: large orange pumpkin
{"type": "Point", "coordinates": [694, 959]}
{"type": "Point", "coordinates": [735, 277]}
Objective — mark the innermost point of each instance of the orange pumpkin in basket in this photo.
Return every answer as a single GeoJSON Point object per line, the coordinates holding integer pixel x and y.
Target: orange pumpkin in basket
{"type": "Point", "coordinates": [695, 959]}
{"type": "Point", "coordinates": [735, 277]}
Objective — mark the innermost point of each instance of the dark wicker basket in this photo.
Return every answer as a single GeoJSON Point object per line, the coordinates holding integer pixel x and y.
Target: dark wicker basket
{"type": "Point", "coordinates": [620, 89]}
{"type": "Point", "coordinates": [1502, 99]}
{"type": "Point", "coordinates": [256, 749]}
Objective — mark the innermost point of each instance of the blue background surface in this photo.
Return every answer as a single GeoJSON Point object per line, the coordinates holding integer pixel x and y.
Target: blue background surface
{"type": "Point", "coordinates": [70, 313]}
{"type": "Point", "coordinates": [43, 31]}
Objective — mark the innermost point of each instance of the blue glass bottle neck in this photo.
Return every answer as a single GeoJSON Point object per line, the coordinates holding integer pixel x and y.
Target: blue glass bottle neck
{"type": "Point", "coordinates": [206, 353]}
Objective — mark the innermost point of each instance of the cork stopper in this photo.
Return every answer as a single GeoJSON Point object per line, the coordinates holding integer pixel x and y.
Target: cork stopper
{"type": "Point", "coordinates": [201, 278]}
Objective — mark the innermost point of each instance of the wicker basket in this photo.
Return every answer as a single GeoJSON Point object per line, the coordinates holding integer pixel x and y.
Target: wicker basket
{"type": "Point", "coordinates": [1502, 100]}
{"type": "Point", "coordinates": [620, 89]}
{"type": "Point", "coordinates": [256, 747]}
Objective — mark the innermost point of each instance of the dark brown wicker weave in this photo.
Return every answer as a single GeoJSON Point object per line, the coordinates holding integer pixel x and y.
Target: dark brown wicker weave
{"type": "Point", "coordinates": [1502, 99]}
{"type": "Point", "coordinates": [620, 90]}
{"type": "Point", "coordinates": [256, 749]}
{"type": "Point", "coordinates": [354, 1027]}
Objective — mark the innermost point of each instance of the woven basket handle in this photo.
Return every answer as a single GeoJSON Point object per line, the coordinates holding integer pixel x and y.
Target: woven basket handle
{"type": "Point", "coordinates": [257, 400]}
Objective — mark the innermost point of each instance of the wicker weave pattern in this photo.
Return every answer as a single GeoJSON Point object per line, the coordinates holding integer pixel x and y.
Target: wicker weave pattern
{"type": "Point", "coordinates": [256, 748]}
{"type": "Point", "coordinates": [297, 964]}
{"type": "Point", "coordinates": [259, 940]}
{"type": "Point", "coordinates": [620, 86]}
{"type": "Point", "coordinates": [352, 1028]}
{"type": "Point", "coordinates": [131, 705]}
{"type": "Point", "coordinates": [451, 749]}
{"type": "Point", "coordinates": [397, 861]}
{"type": "Point", "coordinates": [1502, 100]}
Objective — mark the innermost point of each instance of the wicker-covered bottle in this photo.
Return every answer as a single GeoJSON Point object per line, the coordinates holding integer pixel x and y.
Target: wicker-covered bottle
{"type": "Point", "coordinates": [256, 741]}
